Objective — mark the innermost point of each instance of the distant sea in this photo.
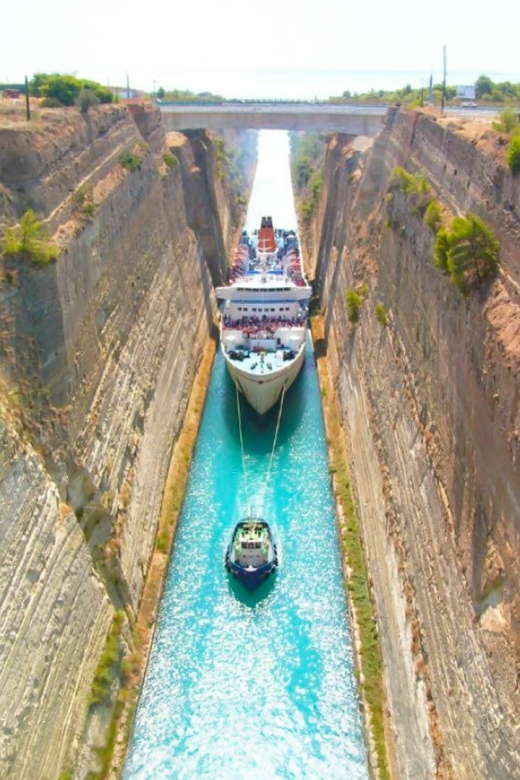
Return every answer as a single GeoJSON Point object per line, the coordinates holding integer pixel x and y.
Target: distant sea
{"type": "Point", "coordinates": [307, 85]}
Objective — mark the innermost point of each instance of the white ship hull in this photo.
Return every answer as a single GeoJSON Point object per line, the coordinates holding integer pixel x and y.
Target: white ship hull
{"type": "Point", "coordinates": [262, 391]}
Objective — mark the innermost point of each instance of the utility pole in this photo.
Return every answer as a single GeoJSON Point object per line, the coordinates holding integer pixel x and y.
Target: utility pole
{"type": "Point", "coordinates": [27, 104]}
{"type": "Point", "coordinates": [443, 80]}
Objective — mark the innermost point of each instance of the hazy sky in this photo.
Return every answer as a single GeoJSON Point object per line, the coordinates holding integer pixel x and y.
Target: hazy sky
{"type": "Point", "coordinates": [241, 49]}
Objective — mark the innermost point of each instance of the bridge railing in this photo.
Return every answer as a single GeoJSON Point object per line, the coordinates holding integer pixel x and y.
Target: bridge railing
{"type": "Point", "coordinates": [267, 103]}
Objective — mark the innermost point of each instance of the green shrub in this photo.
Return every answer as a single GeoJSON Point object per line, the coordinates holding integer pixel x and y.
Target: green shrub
{"type": "Point", "coordinates": [108, 663]}
{"type": "Point", "coordinates": [170, 159]}
{"type": "Point", "coordinates": [381, 314]}
{"type": "Point", "coordinates": [83, 200]}
{"type": "Point", "coordinates": [410, 183]}
{"type": "Point", "coordinates": [307, 210]}
{"type": "Point", "coordinates": [51, 102]}
{"type": "Point", "coordinates": [433, 215]}
{"type": "Point", "coordinates": [85, 99]}
{"type": "Point", "coordinates": [442, 247]}
{"type": "Point", "coordinates": [303, 169]}
{"type": "Point", "coordinates": [88, 208]}
{"type": "Point", "coordinates": [65, 88]}
{"type": "Point", "coordinates": [354, 301]}
{"type": "Point", "coordinates": [513, 154]}
{"type": "Point", "coordinates": [30, 238]}
{"type": "Point", "coordinates": [316, 184]}
{"type": "Point", "coordinates": [415, 186]}
{"type": "Point", "coordinates": [161, 543]}
{"type": "Point", "coordinates": [83, 193]}
{"type": "Point", "coordinates": [507, 122]}
{"type": "Point", "coordinates": [130, 161]}
{"type": "Point", "coordinates": [221, 158]}
{"type": "Point", "coordinates": [309, 205]}
{"type": "Point", "coordinates": [306, 153]}
{"type": "Point", "coordinates": [467, 251]}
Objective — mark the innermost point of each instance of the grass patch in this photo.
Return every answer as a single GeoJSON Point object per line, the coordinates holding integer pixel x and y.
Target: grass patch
{"type": "Point", "coordinates": [105, 753]}
{"type": "Point", "coordinates": [108, 663]}
{"type": "Point", "coordinates": [130, 161]}
{"type": "Point", "coordinates": [161, 542]}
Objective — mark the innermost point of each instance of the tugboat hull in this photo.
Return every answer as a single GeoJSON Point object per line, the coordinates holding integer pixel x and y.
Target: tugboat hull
{"type": "Point", "coordinates": [253, 578]}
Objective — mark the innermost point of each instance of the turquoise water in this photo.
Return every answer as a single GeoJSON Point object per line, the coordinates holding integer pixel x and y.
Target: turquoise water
{"type": "Point", "coordinates": [253, 685]}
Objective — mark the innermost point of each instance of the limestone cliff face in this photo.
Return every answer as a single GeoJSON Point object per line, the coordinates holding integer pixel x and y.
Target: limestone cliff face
{"type": "Point", "coordinates": [99, 351]}
{"type": "Point", "coordinates": [42, 162]}
{"type": "Point", "coordinates": [54, 616]}
{"type": "Point", "coordinates": [432, 416]}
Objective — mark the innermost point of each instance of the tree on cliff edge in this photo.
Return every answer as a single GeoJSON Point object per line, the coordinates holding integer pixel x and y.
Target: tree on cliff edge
{"type": "Point", "coordinates": [66, 89]}
{"type": "Point", "coordinates": [467, 251]}
{"type": "Point", "coordinates": [86, 99]}
{"type": "Point", "coordinates": [29, 238]}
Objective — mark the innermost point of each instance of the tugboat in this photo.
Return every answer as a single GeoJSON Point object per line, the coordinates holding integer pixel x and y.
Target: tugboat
{"type": "Point", "coordinates": [252, 556]}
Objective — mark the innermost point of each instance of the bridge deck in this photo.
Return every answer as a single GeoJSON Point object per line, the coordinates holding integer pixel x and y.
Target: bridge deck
{"type": "Point", "coordinates": [320, 117]}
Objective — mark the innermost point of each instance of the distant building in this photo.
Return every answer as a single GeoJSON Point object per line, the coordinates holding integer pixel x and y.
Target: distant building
{"type": "Point", "coordinates": [466, 92]}
{"type": "Point", "coordinates": [12, 94]}
{"type": "Point", "coordinates": [125, 93]}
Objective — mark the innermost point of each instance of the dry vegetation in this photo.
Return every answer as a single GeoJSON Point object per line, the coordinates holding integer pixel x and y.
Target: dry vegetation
{"type": "Point", "coordinates": [479, 131]}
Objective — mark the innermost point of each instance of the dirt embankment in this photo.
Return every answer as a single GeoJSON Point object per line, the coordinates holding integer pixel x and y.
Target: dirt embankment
{"type": "Point", "coordinates": [429, 386]}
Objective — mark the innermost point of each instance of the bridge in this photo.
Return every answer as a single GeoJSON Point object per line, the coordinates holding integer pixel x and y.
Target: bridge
{"type": "Point", "coordinates": [315, 117]}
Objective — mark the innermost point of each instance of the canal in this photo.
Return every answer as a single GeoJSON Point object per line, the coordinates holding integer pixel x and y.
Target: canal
{"type": "Point", "coordinates": [254, 686]}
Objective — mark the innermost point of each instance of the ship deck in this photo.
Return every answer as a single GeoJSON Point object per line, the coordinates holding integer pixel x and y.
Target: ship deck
{"type": "Point", "coordinates": [257, 364]}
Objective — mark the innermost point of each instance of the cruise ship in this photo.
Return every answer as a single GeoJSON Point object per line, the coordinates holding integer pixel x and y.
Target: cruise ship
{"type": "Point", "coordinates": [264, 310]}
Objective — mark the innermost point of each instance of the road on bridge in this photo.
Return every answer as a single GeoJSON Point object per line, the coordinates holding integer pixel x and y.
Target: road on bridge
{"type": "Point", "coordinates": [320, 117]}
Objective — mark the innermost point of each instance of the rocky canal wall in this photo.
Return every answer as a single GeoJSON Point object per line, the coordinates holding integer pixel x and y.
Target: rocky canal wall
{"type": "Point", "coordinates": [429, 388]}
{"type": "Point", "coordinates": [99, 350]}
